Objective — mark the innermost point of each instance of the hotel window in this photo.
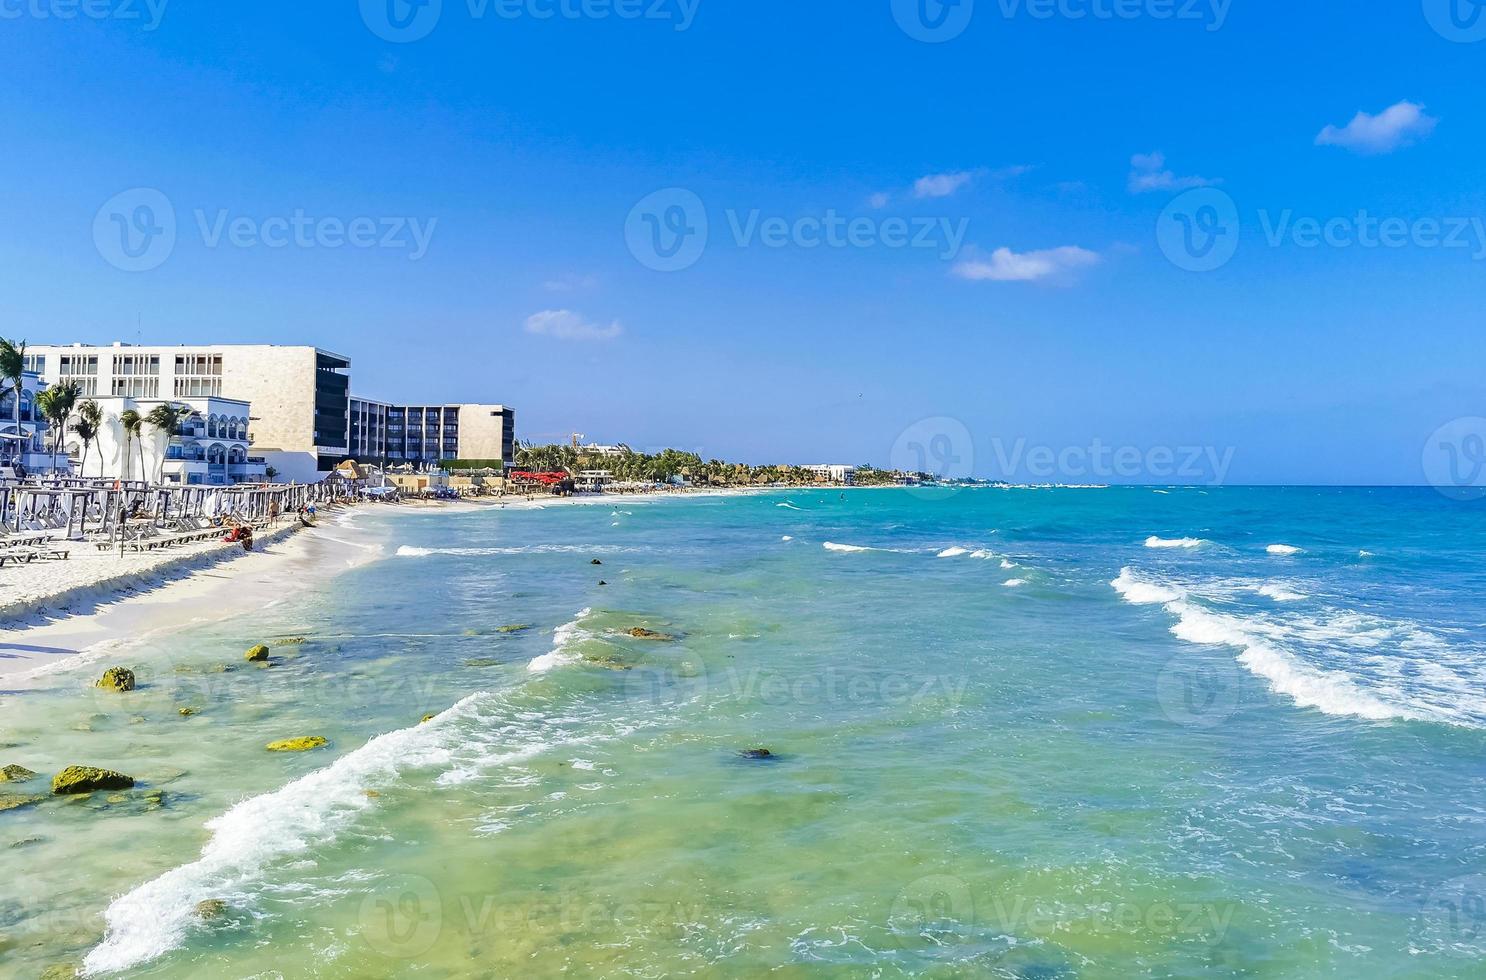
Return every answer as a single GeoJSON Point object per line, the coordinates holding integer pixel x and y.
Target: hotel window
{"type": "Point", "coordinates": [82, 369]}
{"type": "Point", "coordinates": [198, 375]}
{"type": "Point", "coordinates": [35, 363]}
{"type": "Point", "coordinates": [137, 375]}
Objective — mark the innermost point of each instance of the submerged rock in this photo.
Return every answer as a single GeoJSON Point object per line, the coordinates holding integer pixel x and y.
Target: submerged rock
{"type": "Point", "coordinates": [257, 654]}
{"type": "Point", "coordinates": [211, 908]}
{"type": "Point", "coordinates": [640, 633]}
{"type": "Point", "coordinates": [187, 712]}
{"type": "Point", "coordinates": [595, 562]}
{"type": "Point", "coordinates": [117, 798]}
{"type": "Point", "coordinates": [607, 661]}
{"type": "Point", "coordinates": [27, 842]}
{"type": "Point", "coordinates": [154, 799]}
{"type": "Point", "coordinates": [10, 801]}
{"type": "Point", "coordinates": [756, 754]}
{"type": "Point", "coordinates": [85, 779]}
{"type": "Point", "coordinates": [117, 679]}
{"type": "Point", "coordinates": [288, 641]}
{"type": "Point", "coordinates": [602, 582]}
{"type": "Point", "coordinates": [514, 628]}
{"type": "Point", "coordinates": [428, 718]}
{"type": "Point", "coordinates": [15, 774]}
{"type": "Point", "coordinates": [301, 744]}
{"type": "Point", "coordinates": [482, 662]}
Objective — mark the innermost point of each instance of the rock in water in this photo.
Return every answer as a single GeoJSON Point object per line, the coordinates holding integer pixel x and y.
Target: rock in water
{"type": "Point", "coordinates": [482, 662]}
{"type": "Point", "coordinates": [187, 712]}
{"type": "Point", "coordinates": [288, 641]}
{"type": "Point", "coordinates": [211, 908]}
{"type": "Point", "coordinates": [514, 628]}
{"type": "Point", "coordinates": [15, 774]}
{"type": "Point", "coordinates": [302, 744]}
{"type": "Point", "coordinates": [257, 655]}
{"type": "Point", "coordinates": [756, 754]}
{"type": "Point", "coordinates": [11, 802]}
{"type": "Point", "coordinates": [85, 779]}
{"type": "Point", "coordinates": [117, 679]}
{"type": "Point", "coordinates": [595, 562]}
{"type": "Point", "coordinates": [427, 719]}
{"type": "Point", "coordinates": [640, 633]}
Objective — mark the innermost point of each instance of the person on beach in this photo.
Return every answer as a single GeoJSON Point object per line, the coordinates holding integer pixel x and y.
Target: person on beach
{"type": "Point", "coordinates": [273, 513]}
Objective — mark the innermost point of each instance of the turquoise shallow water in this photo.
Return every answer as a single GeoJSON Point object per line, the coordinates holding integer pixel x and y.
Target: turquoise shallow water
{"type": "Point", "coordinates": [1013, 733]}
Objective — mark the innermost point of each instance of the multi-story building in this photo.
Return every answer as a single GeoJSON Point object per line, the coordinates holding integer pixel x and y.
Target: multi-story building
{"type": "Point", "coordinates": [426, 434]}
{"type": "Point", "coordinates": [210, 449]}
{"type": "Point", "coordinates": [304, 420]}
{"type": "Point", "coordinates": [30, 444]}
{"type": "Point", "coordinates": [299, 395]}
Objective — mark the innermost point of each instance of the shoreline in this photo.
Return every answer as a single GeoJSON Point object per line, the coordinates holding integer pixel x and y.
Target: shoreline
{"type": "Point", "coordinates": [162, 592]}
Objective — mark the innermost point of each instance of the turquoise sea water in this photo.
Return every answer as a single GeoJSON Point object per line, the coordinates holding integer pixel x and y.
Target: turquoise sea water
{"type": "Point", "coordinates": [1102, 733]}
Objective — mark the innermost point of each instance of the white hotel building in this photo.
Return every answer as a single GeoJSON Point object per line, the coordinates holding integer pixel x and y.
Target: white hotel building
{"type": "Point", "coordinates": [296, 402]}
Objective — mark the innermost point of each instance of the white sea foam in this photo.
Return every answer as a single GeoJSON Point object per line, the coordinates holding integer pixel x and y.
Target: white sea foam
{"type": "Point", "coordinates": [1155, 542]}
{"type": "Point", "coordinates": [1279, 592]}
{"type": "Point", "coordinates": [562, 637]}
{"type": "Point", "coordinates": [787, 537]}
{"type": "Point", "coordinates": [1008, 565]}
{"type": "Point", "coordinates": [789, 505]}
{"type": "Point", "coordinates": [1014, 583]}
{"type": "Point", "coordinates": [1283, 650]}
{"type": "Point", "coordinates": [954, 552]}
{"type": "Point", "coordinates": [1283, 549]}
{"type": "Point", "coordinates": [982, 554]}
{"type": "Point", "coordinates": [158, 915]}
{"type": "Point", "coordinates": [833, 546]}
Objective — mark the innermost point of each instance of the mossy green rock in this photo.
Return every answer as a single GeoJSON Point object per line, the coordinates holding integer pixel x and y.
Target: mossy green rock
{"type": "Point", "coordinates": [514, 628]}
{"type": "Point", "coordinates": [302, 744]}
{"type": "Point", "coordinates": [9, 801]}
{"type": "Point", "coordinates": [86, 779]}
{"type": "Point", "coordinates": [257, 655]}
{"type": "Point", "coordinates": [288, 641]}
{"type": "Point", "coordinates": [211, 908]}
{"type": "Point", "coordinates": [482, 662]}
{"type": "Point", "coordinates": [641, 633]}
{"type": "Point", "coordinates": [187, 712]}
{"type": "Point", "coordinates": [15, 774]}
{"type": "Point", "coordinates": [117, 679]}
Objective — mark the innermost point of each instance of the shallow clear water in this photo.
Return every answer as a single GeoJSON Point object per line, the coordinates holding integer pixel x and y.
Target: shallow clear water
{"type": "Point", "coordinates": [1020, 733]}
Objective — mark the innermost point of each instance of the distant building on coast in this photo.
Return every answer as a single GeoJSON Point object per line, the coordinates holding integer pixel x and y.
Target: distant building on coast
{"type": "Point", "coordinates": [211, 447]}
{"type": "Point", "coordinates": [834, 472]}
{"type": "Point", "coordinates": [28, 441]}
{"type": "Point", "coordinates": [302, 421]}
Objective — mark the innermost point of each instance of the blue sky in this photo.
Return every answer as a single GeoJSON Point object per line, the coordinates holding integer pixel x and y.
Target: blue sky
{"type": "Point", "coordinates": [519, 145]}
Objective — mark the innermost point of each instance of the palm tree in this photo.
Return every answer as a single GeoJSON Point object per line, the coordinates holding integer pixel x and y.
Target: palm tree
{"type": "Point", "coordinates": [56, 405]}
{"type": "Point", "coordinates": [89, 421]}
{"type": "Point", "coordinates": [12, 370]}
{"type": "Point", "coordinates": [133, 424]}
{"type": "Point", "coordinates": [167, 419]}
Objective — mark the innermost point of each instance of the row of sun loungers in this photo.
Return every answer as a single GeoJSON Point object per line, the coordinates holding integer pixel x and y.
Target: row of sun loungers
{"type": "Point", "coordinates": [187, 530]}
{"type": "Point", "coordinates": [22, 549]}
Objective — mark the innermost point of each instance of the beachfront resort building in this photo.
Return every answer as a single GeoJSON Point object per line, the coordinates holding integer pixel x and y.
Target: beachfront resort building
{"type": "Point", "coordinates": [303, 423]}
{"type": "Point", "coordinates": [381, 432]}
{"type": "Point", "coordinates": [210, 448]}
{"type": "Point", "coordinates": [834, 472]}
{"type": "Point", "coordinates": [26, 441]}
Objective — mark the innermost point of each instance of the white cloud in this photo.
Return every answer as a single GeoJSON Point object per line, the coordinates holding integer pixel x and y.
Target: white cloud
{"type": "Point", "coordinates": [1396, 126]}
{"type": "Point", "coordinates": [879, 201]}
{"type": "Point", "coordinates": [1004, 265]}
{"type": "Point", "coordinates": [567, 325]}
{"type": "Point", "coordinates": [941, 185]}
{"type": "Point", "coordinates": [1148, 173]}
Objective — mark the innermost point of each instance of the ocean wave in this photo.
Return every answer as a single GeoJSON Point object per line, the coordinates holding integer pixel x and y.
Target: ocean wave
{"type": "Point", "coordinates": [562, 638]}
{"type": "Point", "coordinates": [845, 548]}
{"type": "Point", "coordinates": [1279, 593]}
{"type": "Point", "coordinates": [1155, 542]}
{"type": "Point", "coordinates": [1014, 583]}
{"type": "Point", "coordinates": [1008, 565]}
{"type": "Point", "coordinates": [1283, 549]}
{"type": "Point", "coordinates": [1331, 660]}
{"type": "Point", "coordinates": [787, 537]}
{"type": "Point", "coordinates": [954, 552]}
{"type": "Point", "coordinates": [157, 916]}
{"type": "Point", "coordinates": [788, 505]}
